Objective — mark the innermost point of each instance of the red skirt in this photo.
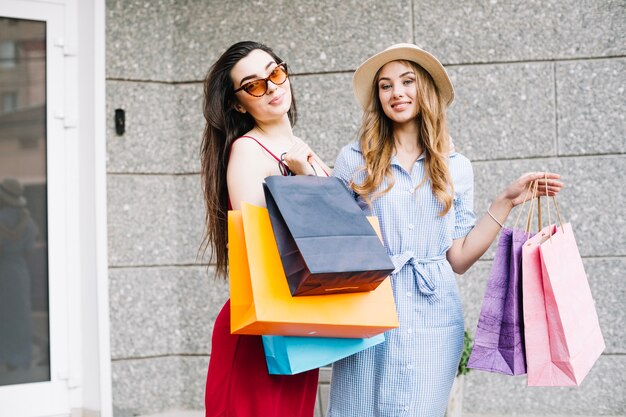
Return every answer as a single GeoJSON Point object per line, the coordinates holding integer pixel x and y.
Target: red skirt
{"type": "Point", "coordinates": [239, 385]}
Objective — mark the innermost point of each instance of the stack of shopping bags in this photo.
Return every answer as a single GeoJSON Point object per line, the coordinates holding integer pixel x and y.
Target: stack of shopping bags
{"type": "Point", "coordinates": [308, 274]}
{"type": "Point", "coordinates": [538, 315]}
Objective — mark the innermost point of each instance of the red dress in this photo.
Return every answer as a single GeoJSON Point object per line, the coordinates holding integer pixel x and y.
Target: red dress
{"type": "Point", "coordinates": [238, 383]}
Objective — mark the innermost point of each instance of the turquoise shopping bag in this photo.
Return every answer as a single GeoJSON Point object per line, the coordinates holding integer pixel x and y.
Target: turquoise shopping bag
{"type": "Point", "coordinates": [289, 355]}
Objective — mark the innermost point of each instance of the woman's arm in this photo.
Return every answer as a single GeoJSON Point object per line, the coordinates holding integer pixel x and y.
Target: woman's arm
{"type": "Point", "coordinates": [247, 169]}
{"type": "Point", "coordinates": [467, 250]}
{"type": "Point", "coordinates": [249, 165]}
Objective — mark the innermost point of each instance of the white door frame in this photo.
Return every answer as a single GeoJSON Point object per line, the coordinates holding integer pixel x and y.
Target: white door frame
{"type": "Point", "coordinates": [76, 157]}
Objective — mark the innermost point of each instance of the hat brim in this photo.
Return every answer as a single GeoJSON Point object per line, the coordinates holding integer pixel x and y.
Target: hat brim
{"type": "Point", "coordinates": [363, 79]}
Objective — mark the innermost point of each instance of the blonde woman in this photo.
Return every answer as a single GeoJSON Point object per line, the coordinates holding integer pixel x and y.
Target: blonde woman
{"type": "Point", "coordinates": [404, 170]}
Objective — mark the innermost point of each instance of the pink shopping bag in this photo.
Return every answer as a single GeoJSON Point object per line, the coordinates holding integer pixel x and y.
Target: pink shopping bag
{"type": "Point", "coordinates": [562, 332]}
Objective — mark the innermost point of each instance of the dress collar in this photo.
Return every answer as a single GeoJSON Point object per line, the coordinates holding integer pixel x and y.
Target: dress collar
{"type": "Point", "coordinates": [356, 147]}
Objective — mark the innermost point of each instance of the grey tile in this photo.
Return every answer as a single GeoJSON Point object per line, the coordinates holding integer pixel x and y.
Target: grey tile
{"type": "Point", "coordinates": [164, 126]}
{"type": "Point", "coordinates": [154, 219]}
{"type": "Point", "coordinates": [317, 411]}
{"type": "Point", "coordinates": [495, 31]}
{"type": "Point", "coordinates": [503, 111]}
{"type": "Point", "coordinates": [328, 116]}
{"type": "Point", "coordinates": [591, 106]}
{"type": "Point", "coordinates": [163, 311]}
{"type": "Point", "coordinates": [598, 215]}
{"type": "Point", "coordinates": [325, 374]}
{"type": "Point", "coordinates": [588, 201]}
{"type": "Point", "coordinates": [324, 393]}
{"type": "Point", "coordinates": [178, 41]}
{"type": "Point", "coordinates": [190, 123]}
{"type": "Point", "coordinates": [310, 36]}
{"type": "Point", "coordinates": [164, 123]}
{"type": "Point", "coordinates": [526, 415]}
{"type": "Point", "coordinates": [472, 287]}
{"type": "Point", "coordinates": [608, 286]}
{"type": "Point", "coordinates": [140, 38]}
{"type": "Point", "coordinates": [143, 386]}
{"type": "Point", "coordinates": [601, 393]}
{"type": "Point", "coordinates": [455, 401]}
{"type": "Point", "coordinates": [193, 375]}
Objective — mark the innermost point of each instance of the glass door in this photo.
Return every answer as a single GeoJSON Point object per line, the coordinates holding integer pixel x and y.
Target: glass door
{"type": "Point", "coordinates": [33, 326]}
{"type": "Point", "coordinates": [24, 328]}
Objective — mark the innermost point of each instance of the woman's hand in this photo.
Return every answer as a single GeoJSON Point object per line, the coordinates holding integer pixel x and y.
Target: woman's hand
{"type": "Point", "coordinates": [465, 251]}
{"type": "Point", "coordinates": [299, 157]}
{"type": "Point", "coordinates": [516, 191]}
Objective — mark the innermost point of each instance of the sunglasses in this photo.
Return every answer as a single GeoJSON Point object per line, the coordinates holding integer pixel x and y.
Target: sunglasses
{"type": "Point", "coordinates": [258, 88]}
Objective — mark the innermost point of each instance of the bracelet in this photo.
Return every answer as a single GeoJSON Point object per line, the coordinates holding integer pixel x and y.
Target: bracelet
{"type": "Point", "coordinates": [494, 219]}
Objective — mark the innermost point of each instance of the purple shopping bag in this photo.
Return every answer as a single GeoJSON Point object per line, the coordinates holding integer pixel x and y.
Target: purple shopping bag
{"type": "Point", "coordinates": [498, 342]}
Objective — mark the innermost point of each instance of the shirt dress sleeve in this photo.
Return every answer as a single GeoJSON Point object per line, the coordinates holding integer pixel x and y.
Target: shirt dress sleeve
{"type": "Point", "coordinates": [464, 217]}
{"type": "Point", "coordinates": [345, 167]}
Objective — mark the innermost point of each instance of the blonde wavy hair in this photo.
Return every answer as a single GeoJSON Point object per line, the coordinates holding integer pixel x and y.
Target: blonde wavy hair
{"type": "Point", "coordinates": [377, 142]}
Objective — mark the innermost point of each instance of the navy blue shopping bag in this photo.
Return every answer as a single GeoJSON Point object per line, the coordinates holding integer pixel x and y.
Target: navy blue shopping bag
{"type": "Point", "coordinates": [326, 243]}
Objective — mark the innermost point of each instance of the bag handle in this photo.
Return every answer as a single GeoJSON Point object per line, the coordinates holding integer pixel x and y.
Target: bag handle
{"type": "Point", "coordinates": [539, 220]}
{"type": "Point", "coordinates": [545, 177]}
{"type": "Point", "coordinates": [523, 205]}
{"type": "Point", "coordinates": [535, 186]}
{"type": "Point", "coordinates": [556, 206]}
{"type": "Point", "coordinates": [558, 213]}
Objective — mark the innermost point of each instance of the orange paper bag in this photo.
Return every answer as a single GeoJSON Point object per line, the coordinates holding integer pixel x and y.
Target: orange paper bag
{"type": "Point", "coordinates": [260, 300]}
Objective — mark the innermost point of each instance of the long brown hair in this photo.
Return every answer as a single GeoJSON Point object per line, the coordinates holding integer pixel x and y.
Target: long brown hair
{"type": "Point", "coordinates": [223, 125]}
{"type": "Point", "coordinates": [377, 142]}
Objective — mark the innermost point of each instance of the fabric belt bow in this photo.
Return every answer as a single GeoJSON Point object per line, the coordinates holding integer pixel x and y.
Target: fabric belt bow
{"type": "Point", "coordinates": [424, 282]}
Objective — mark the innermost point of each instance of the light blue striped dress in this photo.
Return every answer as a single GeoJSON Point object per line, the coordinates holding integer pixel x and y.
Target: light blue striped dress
{"type": "Point", "coordinates": [411, 374]}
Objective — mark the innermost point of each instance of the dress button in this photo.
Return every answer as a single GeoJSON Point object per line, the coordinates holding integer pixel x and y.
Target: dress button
{"type": "Point", "coordinates": [406, 408]}
{"type": "Point", "coordinates": [409, 294]}
{"type": "Point", "coordinates": [411, 226]}
{"type": "Point", "coordinates": [409, 331]}
{"type": "Point", "coordinates": [409, 366]}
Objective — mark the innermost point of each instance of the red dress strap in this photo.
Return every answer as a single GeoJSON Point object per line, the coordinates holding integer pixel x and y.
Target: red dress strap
{"type": "Point", "coordinates": [230, 206]}
{"type": "Point", "coordinates": [325, 172]}
{"type": "Point", "coordinates": [267, 150]}
{"type": "Point", "coordinates": [260, 144]}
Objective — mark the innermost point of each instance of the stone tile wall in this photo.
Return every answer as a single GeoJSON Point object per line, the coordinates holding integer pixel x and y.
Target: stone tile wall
{"type": "Point", "coordinates": [539, 85]}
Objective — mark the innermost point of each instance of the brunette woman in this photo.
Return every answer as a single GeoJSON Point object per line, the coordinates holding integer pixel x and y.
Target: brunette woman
{"type": "Point", "coordinates": [249, 110]}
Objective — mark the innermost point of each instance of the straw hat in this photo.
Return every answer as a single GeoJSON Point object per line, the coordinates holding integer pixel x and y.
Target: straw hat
{"type": "Point", "coordinates": [363, 80]}
{"type": "Point", "coordinates": [11, 192]}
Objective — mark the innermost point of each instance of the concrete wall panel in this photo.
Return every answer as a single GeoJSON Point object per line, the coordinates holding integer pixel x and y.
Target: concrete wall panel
{"type": "Point", "coordinates": [591, 97]}
{"type": "Point", "coordinates": [508, 31]}
{"type": "Point", "coordinates": [503, 111]}
{"type": "Point", "coordinates": [154, 219]}
{"type": "Point", "coordinates": [164, 126]}
{"type": "Point", "coordinates": [163, 310]}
